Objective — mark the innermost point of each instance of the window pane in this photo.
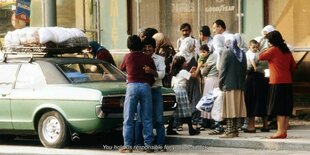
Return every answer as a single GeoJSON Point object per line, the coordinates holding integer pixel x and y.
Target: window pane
{"type": "Point", "coordinates": [30, 76]}
{"type": "Point", "coordinates": [8, 73]}
{"type": "Point", "coordinates": [78, 73]}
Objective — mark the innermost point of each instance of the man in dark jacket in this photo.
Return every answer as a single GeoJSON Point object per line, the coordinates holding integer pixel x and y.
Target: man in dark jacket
{"type": "Point", "coordinates": [138, 91]}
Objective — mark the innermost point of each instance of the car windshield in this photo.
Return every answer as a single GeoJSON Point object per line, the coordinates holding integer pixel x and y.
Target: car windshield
{"type": "Point", "coordinates": [86, 72]}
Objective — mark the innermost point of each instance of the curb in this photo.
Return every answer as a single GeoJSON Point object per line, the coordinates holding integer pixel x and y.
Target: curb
{"type": "Point", "coordinates": [249, 142]}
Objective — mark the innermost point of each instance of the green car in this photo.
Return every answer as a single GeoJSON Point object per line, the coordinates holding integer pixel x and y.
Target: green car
{"type": "Point", "coordinates": [59, 98]}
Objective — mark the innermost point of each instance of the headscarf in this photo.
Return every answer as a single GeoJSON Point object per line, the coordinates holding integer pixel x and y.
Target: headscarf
{"type": "Point", "coordinates": [240, 42]}
{"type": "Point", "coordinates": [161, 40]}
{"type": "Point", "coordinates": [267, 29]}
{"type": "Point", "coordinates": [218, 43]}
{"type": "Point", "coordinates": [231, 43]}
{"type": "Point", "coordinates": [237, 51]}
{"type": "Point", "coordinates": [95, 47]}
{"type": "Point", "coordinates": [185, 46]}
{"type": "Point", "coordinates": [229, 40]}
{"type": "Point", "coordinates": [262, 40]}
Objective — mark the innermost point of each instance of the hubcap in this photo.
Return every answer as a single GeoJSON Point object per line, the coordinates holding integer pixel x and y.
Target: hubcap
{"type": "Point", "coordinates": [51, 129]}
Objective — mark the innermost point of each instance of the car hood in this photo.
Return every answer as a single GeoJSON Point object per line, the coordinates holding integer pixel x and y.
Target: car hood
{"type": "Point", "coordinates": [114, 88]}
{"type": "Point", "coordinates": [107, 88]}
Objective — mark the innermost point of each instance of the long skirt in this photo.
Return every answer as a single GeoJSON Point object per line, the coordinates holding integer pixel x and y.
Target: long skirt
{"type": "Point", "coordinates": [233, 104]}
{"type": "Point", "coordinates": [193, 89]}
{"type": "Point", "coordinates": [280, 100]}
{"type": "Point", "coordinates": [210, 84]}
{"type": "Point", "coordinates": [183, 108]}
{"type": "Point", "coordinates": [256, 93]}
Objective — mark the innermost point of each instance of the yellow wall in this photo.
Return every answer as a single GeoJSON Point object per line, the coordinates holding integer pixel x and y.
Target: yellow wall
{"type": "Point", "coordinates": [292, 19]}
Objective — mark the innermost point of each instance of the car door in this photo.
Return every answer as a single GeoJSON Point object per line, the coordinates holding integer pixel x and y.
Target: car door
{"type": "Point", "coordinates": [27, 96]}
{"type": "Point", "coordinates": [8, 74]}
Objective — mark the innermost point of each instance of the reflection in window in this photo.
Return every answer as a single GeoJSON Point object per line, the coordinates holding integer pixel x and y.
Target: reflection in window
{"type": "Point", "coordinates": [8, 75]}
{"type": "Point", "coordinates": [30, 76]}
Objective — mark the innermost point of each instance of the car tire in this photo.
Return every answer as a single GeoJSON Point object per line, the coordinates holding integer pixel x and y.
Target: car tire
{"type": "Point", "coordinates": [53, 130]}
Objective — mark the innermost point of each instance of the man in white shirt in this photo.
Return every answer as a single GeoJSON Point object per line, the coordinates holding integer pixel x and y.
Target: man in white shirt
{"type": "Point", "coordinates": [186, 31]}
{"type": "Point", "coordinates": [157, 98]}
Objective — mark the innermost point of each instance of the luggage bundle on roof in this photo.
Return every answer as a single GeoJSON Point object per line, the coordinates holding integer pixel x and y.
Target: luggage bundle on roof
{"type": "Point", "coordinates": [46, 39]}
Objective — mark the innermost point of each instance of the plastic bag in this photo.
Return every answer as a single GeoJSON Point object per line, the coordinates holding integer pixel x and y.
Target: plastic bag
{"type": "Point", "coordinates": [216, 112]}
{"type": "Point", "coordinates": [206, 102]}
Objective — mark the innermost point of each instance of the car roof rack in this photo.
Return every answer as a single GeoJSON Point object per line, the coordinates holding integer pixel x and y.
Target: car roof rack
{"type": "Point", "coordinates": [49, 50]}
{"type": "Point", "coordinates": [20, 56]}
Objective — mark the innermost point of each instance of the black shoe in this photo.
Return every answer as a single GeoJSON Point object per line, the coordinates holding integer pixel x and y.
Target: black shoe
{"type": "Point", "coordinates": [172, 132]}
{"type": "Point", "coordinates": [264, 130]}
{"type": "Point", "coordinates": [249, 131]}
{"type": "Point", "coordinates": [194, 132]}
{"type": "Point", "coordinates": [273, 125]}
{"type": "Point", "coordinates": [206, 123]}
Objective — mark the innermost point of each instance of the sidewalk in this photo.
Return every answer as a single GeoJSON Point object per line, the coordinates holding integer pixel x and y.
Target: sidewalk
{"type": "Point", "coordinates": [298, 138]}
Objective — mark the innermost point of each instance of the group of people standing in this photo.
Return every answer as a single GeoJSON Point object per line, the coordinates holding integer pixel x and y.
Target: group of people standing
{"type": "Point", "coordinates": [195, 68]}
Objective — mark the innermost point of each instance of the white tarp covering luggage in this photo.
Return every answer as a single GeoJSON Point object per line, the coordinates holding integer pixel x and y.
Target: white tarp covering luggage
{"type": "Point", "coordinates": [34, 36]}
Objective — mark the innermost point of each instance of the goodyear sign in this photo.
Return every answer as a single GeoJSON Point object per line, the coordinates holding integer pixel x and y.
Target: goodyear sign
{"type": "Point", "coordinates": [23, 10]}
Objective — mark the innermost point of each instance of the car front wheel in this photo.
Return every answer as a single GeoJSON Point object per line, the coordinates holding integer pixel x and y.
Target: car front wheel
{"type": "Point", "coordinates": [52, 130]}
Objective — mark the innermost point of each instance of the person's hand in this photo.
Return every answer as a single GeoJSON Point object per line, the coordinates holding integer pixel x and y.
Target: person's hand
{"type": "Point", "coordinates": [200, 64]}
{"type": "Point", "coordinates": [147, 69]}
{"type": "Point", "coordinates": [193, 69]}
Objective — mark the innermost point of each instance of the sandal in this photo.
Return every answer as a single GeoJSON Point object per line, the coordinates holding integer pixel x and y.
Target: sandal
{"type": "Point", "coordinates": [216, 132]}
{"type": "Point", "coordinates": [229, 135]}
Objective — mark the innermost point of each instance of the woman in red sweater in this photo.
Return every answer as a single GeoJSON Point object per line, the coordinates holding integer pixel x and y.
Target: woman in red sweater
{"type": "Point", "coordinates": [281, 64]}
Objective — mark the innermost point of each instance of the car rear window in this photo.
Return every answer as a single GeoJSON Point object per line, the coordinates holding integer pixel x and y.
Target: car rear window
{"type": "Point", "coordinates": [87, 72]}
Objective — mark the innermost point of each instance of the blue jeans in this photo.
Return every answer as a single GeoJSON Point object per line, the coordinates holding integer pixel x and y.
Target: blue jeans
{"type": "Point", "coordinates": [138, 93]}
{"type": "Point", "coordinates": [158, 119]}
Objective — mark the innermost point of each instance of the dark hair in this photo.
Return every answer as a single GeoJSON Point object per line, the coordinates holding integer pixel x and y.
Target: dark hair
{"type": "Point", "coordinates": [275, 38]}
{"type": "Point", "coordinates": [149, 41]}
{"type": "Point", "coordinates": [205, 47]}
{"type": "Point", "coordinates": [177, 65]}
{"type": "Point", "coordinates": [184, 25]}
{"type": "Point", "coordinates": [253, 41]}
{"type": "Point", "coordinates": [221, 23]}
{"type": "Point", "coordinates": [205, 30]}
{"type": "Point", "coordinates": [149, 32]}
{"type": "Point", "coordinates": [134, 43]}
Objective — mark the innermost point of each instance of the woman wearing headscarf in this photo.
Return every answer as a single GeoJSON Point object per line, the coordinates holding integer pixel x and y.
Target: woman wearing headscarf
{"type": "Point", "coordinates": [232, 75]}
{"type": "Point", "coordinates": [240, 42]}
{"type": "Point", "coordinates": [263, 67]}
{"type": "Point", "coordinates": [187, 50]}
{"type": "Point", "coordinates": [281, 64]}
{"type": "Point", "coordinates": [210, 74]}
{"type": "Point", "coordinates": [262, 40]}
{"type": "Point", "coordinates": [101, 53]}
{"type": "Point", "coordinates": [165, 49]}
